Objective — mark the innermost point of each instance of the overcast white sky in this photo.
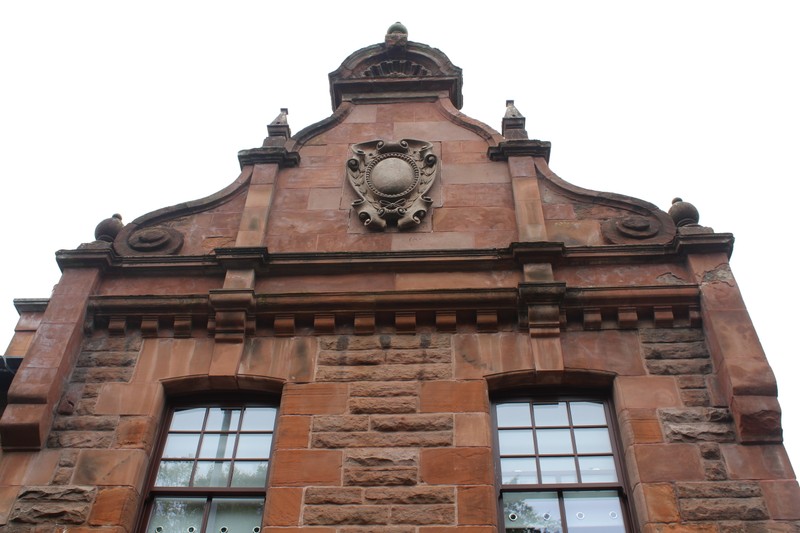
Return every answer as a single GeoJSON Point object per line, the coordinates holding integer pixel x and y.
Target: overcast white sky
{"type": "Point", "coordinates": [127, 107]}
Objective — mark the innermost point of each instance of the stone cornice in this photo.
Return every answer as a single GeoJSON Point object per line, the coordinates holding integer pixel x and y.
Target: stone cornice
{"type": "Point", "coordinates": [520, 148]}
{"type": "Point", "coordinates": [263, 155]}
{"type": "Point", "coordinates": [401, 261]}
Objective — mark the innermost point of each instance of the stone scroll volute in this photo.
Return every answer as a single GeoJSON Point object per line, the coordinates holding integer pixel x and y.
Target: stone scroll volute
{"type": "Point", "coordinates": [391, 180]}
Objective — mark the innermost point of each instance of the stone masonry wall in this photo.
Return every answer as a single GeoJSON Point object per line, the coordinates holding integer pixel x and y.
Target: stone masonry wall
{"type": "Point", "coordinates": [720, 497]}
{"type": "Point", "coordinates": [387, 433]}
{"type": "Point", "coordinates": [75, 483]}
{"type": "Point", "coordinates": [395, 445]}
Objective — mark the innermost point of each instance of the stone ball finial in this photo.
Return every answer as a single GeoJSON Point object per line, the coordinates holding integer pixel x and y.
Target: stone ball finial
{"type": "Point", "coordinates": [108, 229]}
{"type": "Point", "coordinates": [684, 213]}
{"type": "Point", "coordinates": [397, 27]}
{"type": "Point", "coordinates": [396, 38]}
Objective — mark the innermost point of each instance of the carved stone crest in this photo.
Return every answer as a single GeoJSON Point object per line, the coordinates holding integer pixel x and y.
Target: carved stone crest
{"type": "Point", "coordinates": [391, 179]}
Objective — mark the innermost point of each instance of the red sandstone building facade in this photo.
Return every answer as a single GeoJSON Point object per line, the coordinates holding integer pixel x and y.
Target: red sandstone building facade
{"type": "Point", "coordinates": [396, 320]}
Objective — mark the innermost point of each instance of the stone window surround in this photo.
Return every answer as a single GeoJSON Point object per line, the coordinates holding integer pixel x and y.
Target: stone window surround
{"type": "Point", "coordinates": [621, 486]}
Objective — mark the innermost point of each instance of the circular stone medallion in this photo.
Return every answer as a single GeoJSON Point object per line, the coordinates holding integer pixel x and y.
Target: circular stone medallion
{"type": "Point", "coordinates": [392, 175]}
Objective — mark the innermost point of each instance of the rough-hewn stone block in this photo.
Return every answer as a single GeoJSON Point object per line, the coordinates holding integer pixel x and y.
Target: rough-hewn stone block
{"type": "Point", "coordinates": [419, 422]}
{"type": "Point", "coordinates": [410, 495]}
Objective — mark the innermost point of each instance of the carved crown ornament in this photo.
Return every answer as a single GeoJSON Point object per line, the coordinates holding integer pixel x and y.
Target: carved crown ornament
{"type": "Point", "coordinates": [391, 179]}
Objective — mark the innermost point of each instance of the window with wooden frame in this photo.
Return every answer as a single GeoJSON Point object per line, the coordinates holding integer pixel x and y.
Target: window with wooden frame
{"type": "Point", "coordinates": [211, 474]}
{"type": "Point", "coordinates": [559, 467]}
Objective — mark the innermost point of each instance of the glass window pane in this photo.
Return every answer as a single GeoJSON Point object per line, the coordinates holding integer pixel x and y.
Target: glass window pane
{"type": "Point", "coordinates": [554, 441]}
{"type": "Point", "coordinates": [516, 441]}
{"type": "Point", "coordinates": [188, 420]}
{"type": "Point", "coordinates": [592, 440]}
{"type": "Point", "coordinates": [174, 474]}
{"type": "Point", "coordinates": [254, 446]}
{"type": "Point", "coordinates": [550, 414]}
{"type": "Point", "coordinates": [595, 512]}
{"type": "Point", "coordinates": [249, 474]}
{"type": "Point", "coordinates": [588, 413]}
{"type": "Point", "coordinates": [513, 415]}
{"type": "Point", "coordinates": [531, 511]}
{"type": "Point", "coordinates": [234, 515]}
{"type": "Point", "coordinates": [519, 471]}
{"type": "Point", "coordinates": [558, 470]}
{"type": "Point", "coordinates": [176, 514]}
{"type": "Point", "coordinates": [217, 445]}
{"type": "Point", "coordinates": [222, 419]}
{"type": "Point", "coordinates": [212, 474]}
{"type": "Point", "coordinates": [181, 445]}
{"type": "Point", "coordinates": [259, 419]}
{"type": "Point", "coordinates": [597, 469]}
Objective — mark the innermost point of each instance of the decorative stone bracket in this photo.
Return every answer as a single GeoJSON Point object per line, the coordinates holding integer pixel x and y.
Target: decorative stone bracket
{"type": "Point", "coordinates": [233, 313]}
{"type": "Point", "coordinates": [541, 307]}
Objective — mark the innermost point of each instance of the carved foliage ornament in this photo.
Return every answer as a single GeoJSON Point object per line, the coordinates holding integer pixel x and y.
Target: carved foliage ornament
{"type": "Point", "coordinates": [391, 179]}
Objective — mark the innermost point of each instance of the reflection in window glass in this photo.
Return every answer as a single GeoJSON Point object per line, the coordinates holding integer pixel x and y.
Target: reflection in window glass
{"type": "Point", "coordinates": [212, 472]}
{"type": "Point", "coordinates": [253, 446]}
{"type": "Point", "coordinates": [554, 441]}
{"type": "Point", "coordinates": [593, 512]}
{"type": "Point", "coordinates": [558, 470]}
{"type": "Point", "coordinates": [174, 474]}
{"type": "Point", "coordinates": [176, 514]}
{"type": "Point", "coordinates": [516, 441]}
{"type": "Point", "coordinates": [567, 452]}
{"type": "Point", "coordinates": [249, 474]}
{"type": "Point", "coordinates": [259, 419]}
{"type": "Point", "coordinates": [592, 440]}
{"type": "Point", "coordinates": [511, 415]}
{"type": "Point", "coordinates": [188, 420]}
{"type": "Point", "coordinates": [519, 471]}
{"type": "Point", "coordinates": [235, 514]}
{"type": "Point", "coordinates": [550, 414]}
{"type": "Point", "coordinates": [222, 419]}
{"type": "Point", "coordinates": [181, 445]}
{"type": "Point", "coordinates": [218, 445]}
{"type": "Point", "coordinates": [524, 512]}
{"type": "Point", "coordinates": [588, 414]}
{"type": "Point", "coordinates": [599, 469]}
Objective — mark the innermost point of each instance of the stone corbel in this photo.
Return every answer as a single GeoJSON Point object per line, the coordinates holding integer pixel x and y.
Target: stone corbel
{"type": "Point", "coordinates": [541, 307]}
{"type": "Point", "coordinates": [233, 313]}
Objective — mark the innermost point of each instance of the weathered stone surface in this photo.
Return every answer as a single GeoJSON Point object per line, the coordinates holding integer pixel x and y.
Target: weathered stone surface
{"type": "Point", "coordinates": [723, 509]}
{"type": "Point", "coordinates": [345, 514]}
{"type": "Point", "coordinates": [670, 335]}
{"type": "Point", "coordinates": [402, 404]}
{"type": "Point", "coordinates": [381, 457]}
{"type": "Point", "coordinates": [109, 359]}
{"type": "Point", "coordinates": [341, 423]}
{"type": "Point", "coordinates": [730, 489]}
{"type": "Point", "coordinates": [80, 439]}
{"type": "Point", "coordinates": [421, 422]}
{"type": "Point", "coordinates": [53, 504]}
{"type": "Point", "coordinates": [694, 415]}
{"type": "Point", "coordinates": [388, 389]}
{"type": "Point", "coordinates": [423, 514]}
{"type": "Point", "coordinates": [385, 372]}
{"type": "Point", "coordinates": [410, 495]}
{"type": "Point", "coordinates": [676, 350]}
{"type": "Point", "coordinates": [366, 342]}
{"type": "Point", "coordinates": [699, 431]}
{"type": "Point", "coordinates": [675, 367]}
{"type": "Point", "coordinates": [85, 423]}
{"type": "Point", "coordinates": [374, 439]}
{"type": "Point", "coordinates": [333, 495]}
{"type": "Point", "coordinates": [369, 477]}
